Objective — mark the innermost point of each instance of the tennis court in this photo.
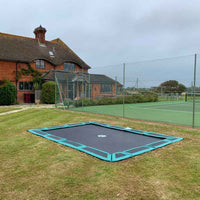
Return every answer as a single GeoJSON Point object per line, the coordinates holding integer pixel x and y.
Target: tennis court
{"type": "Point", "coordinates": [172, 112]}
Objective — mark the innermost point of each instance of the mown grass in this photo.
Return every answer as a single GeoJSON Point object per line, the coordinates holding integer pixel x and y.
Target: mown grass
{"type": "Point", "coordinates": [32, 167]}
{"type": "Point", "coordinates": [7, 109]}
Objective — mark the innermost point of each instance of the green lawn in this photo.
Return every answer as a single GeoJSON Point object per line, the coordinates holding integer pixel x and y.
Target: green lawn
{"type": "Point", "coordinates": [167, 112]}
{"type": "Point", "coordinates": [7, 109]}
{"type": "Point", "coordinates": [32, 167]}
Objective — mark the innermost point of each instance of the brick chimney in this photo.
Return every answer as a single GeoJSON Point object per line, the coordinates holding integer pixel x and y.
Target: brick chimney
{"type": "Point", "coordinates": [40, 34]}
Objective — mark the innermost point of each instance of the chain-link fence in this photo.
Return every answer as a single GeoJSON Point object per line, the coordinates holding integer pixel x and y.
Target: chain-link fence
{"type": "Point", "coordinates": [162, 90]}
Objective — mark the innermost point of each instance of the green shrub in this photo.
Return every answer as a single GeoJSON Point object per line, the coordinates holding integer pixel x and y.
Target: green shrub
{"type": "Point", "coordinates": [48, 92]}
{"type": "Point", "coordinates": [7, 93]}
{"type": "Point", "coordinates": [118, 100]}
{"type": "Point", "coordinates": [67, 102]}
{"type": "Point", "coordinates": [151, 96]}
{"type": "Point", "coordinates": [88, 102]}
{"type": "Point", "coordinates": [135, 98]}
{"type": "Point", "coordinates": [85, 102]}
{"type": "Point", "coordinates": [129, 99]}
{"type": "Point", "coordinates": [104, 101]}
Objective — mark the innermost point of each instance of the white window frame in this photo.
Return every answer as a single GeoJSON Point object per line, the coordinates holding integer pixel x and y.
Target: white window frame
{"type": "Point", "coordinates": [40, 64]}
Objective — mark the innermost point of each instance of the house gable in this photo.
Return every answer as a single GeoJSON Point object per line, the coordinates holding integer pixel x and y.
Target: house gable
{"type": "Point", "coordinates": [23, 49]}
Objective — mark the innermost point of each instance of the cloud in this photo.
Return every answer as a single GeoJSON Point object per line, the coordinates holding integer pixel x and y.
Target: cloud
{"type": "Point", "coordinates": [106, 32]}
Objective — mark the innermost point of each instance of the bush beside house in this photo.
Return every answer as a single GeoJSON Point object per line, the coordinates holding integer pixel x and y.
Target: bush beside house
{"type": "Point", "coordinates": [7, 93]}
{"type": "Point", "coordinates": [48, 92]}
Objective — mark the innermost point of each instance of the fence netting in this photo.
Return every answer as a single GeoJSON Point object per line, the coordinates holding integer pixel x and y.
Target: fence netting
{"type": "Point", "coordinates": [162, 90]}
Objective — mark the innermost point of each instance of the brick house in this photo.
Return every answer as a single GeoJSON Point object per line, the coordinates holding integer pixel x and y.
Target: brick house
{"type": "Point", "coordinates": [47, 57]}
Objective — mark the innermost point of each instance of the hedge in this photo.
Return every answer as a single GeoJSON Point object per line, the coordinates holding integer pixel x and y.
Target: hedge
{"type": "Point", "coordinates": [48, 92]}
{"type": "Point", "coordinates": [135, 98]}
{"type": "Point", "coordinates": [7, 93]}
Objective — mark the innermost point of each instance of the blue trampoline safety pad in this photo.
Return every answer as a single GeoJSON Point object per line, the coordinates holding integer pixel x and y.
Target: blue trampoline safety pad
{"type": "Point", "coordinates": [104, 141]}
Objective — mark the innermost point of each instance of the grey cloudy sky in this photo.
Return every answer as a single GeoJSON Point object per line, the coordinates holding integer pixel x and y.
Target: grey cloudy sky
{"type": "Point", "coordinates": [106, 32]}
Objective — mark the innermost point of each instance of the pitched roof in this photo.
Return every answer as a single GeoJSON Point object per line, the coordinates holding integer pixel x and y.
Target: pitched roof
{"type": "Point", "coordinates": [100, 78]}
{"type": "Point", "coordinates": [92, 78]}
{"type": "Point", "coordinates": [23, 49]}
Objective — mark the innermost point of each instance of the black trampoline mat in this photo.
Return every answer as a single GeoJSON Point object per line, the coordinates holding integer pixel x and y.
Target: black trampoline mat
{"type": "Point", "coordinates": [103, 138]}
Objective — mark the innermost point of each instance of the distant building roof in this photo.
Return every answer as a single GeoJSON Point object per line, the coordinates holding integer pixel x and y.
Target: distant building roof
{"type": "Point", "coordinates": [100, 78]}
{"type": "Point", "coordinates": [23, 49]}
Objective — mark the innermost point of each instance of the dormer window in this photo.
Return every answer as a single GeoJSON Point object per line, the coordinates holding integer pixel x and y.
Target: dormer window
{"type": "Point", "coordinates": [51, 53]}
{"type": "Point", "coordinates": [69, 67]}
{"type": "Point", "coordinates": [42, 45]}
{"type": "Point", "coordinates": [40, 64]}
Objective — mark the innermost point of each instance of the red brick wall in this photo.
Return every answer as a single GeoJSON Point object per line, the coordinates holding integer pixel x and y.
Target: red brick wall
{"type": "Point", "coordinates": [96, 91]}
{"type": "Point", "coordinates": [8, 72]}
{"type": "Point", "coordinates": [20, 95]}
{"type": "Point", "coordinates": [77, 68]}
{"type": "Point", "coordinates": [41, 37]}
{"type": "Point", "coordinates": [8, 69]}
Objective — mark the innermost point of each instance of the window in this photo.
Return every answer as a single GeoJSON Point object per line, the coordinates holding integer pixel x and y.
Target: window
{"type": "Point", "coordinates": [40, 64]}
{"type": "Point", "coordinates": [73, 67]}
{"type": "Point", "coordinates": [26, 86]}
{"type": "Point", "coordinates": [42, 45]}
{"type": "Point", "coordinates": [51, 53]}
{"type": "Point", "coordinates": [69, 67]}
{"type": "Point", "coordinates": [106, 88]}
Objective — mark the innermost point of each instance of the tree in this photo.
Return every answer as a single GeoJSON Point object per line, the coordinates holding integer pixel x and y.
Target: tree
{"type": "Point", "coordinates": [171, 86]}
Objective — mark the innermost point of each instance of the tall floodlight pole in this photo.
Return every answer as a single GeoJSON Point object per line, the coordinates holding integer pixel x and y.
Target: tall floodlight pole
{"type": "Point", "coordinates": [89, 87]}
{"type": "Point", "coordinates": [137, 83]}
{"type": "Point", "coordinates": [82, 91]}
{"type": "Point", "coordinates": [123, 90]}
{"type": "Point", "coordinates": [194, 85]}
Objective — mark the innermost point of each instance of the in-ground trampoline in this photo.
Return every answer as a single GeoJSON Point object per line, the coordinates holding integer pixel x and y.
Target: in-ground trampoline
{"type": "Point", "coordinates": [104, 141]}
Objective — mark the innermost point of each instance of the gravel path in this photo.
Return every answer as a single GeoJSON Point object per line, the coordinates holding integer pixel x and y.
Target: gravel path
{"type": "Point", "coordinates": [25, 107]}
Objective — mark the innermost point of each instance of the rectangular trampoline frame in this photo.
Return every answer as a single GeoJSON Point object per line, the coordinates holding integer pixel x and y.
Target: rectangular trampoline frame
{"type": "Point", "coordinates": [111, 157]}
